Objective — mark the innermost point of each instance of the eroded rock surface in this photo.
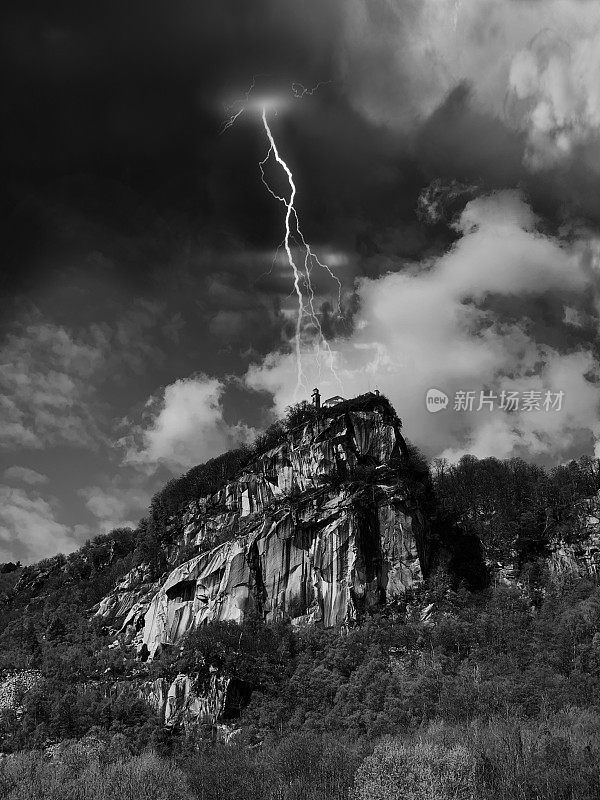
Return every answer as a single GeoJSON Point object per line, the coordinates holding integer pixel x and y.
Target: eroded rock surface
{"type": "Point", "coordinates": [188, 700]}
{"type": "Point", "coordinates": [319, 529]}
{"type": "Point", "coordinates": [579, 554]}
{"type": "Point", "coordinates": [128, 602]}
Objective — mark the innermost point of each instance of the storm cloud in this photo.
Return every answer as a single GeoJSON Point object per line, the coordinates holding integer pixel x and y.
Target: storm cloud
{"type": "Point", "coordinates": [446, 170]}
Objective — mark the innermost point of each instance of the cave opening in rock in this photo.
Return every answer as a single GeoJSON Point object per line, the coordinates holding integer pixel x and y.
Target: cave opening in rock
{"type": "Point", "coordinates": [183, 591]}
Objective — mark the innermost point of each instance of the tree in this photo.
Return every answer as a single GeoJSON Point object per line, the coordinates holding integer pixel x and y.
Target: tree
{"type": "Point", "coordinates": [298, 414]}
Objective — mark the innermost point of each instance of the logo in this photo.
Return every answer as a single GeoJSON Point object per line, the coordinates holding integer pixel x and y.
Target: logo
{"type": "Point", "coordinates": [435, 400]}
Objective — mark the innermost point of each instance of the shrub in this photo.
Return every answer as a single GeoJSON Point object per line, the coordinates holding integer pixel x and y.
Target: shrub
{"type": "Point", "coordinates": [72, 776]}
{"type": "Point", "coordinates": [419, 771]}
{"type": "Point", "coordinates": [555, 757]}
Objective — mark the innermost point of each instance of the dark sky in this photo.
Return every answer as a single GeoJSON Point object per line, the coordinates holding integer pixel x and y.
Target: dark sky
{"type": "Point", "coordinates": [449, 153]}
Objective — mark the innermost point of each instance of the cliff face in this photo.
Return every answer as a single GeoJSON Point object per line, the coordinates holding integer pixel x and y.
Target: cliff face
{"type": "Point", "coordinates": [188, 701]}
{"type": "Point", "coordinates": [129, 599]}
{"type": "Point", "coordinates": [579, 554]}
{"type": "Point", "coordinates": [319, 528]}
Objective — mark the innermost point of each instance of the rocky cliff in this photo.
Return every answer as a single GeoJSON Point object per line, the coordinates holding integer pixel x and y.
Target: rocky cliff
{"type": "Point", "coordinates": [568, 547]}
{"type": "Point", "coordinates": [335, 517]}
{"type": "Point", "coordinates": [329, 523]}
{"type": "Point", "coordinates": [188, 700]}
{"type": "Point", "coordinates": [579, 553]}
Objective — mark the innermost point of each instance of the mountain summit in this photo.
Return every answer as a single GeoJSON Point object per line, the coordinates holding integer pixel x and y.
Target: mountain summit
{"type": "Point", "coordinates": [324, 525]}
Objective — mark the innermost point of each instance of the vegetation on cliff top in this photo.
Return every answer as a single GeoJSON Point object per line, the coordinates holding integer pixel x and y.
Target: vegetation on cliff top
{"type": "Point", "coordinates": [205, 479]}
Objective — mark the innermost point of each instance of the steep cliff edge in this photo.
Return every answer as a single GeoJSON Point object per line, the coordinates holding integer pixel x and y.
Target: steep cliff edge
{"type": "Point", "coordinates": [328, 524]}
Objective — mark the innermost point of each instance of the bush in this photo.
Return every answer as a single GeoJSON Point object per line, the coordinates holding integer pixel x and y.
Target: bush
{"type": "Point", "coordinates": [75, 775]}
{"type": "Point", "coordinates": [293, 767]}
{"type": "Point", "coordinates": [231, 772]}
{"type": "Point", "coordinates": [418, 771]}
{"type": "Point", "coordinates": [199, 481]}
{"type": "Point", "coordinates": [555, 758]}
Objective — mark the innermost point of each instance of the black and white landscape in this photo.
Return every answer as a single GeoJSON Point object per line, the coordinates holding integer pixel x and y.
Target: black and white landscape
{"type": "Point", "coordinates": [300, 400]}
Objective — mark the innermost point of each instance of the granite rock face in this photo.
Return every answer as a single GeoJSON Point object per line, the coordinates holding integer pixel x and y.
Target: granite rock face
{"type": "Point", "coordinates": [580, 554]}
{"type": "Point", "coordinates": [319, 528]}
{"type": "Point", "coordinates": [129, 600]}
{"type": "Point", "coordinates": [572, 548]}
{"type": "Point", "coordinates": [188, 701]}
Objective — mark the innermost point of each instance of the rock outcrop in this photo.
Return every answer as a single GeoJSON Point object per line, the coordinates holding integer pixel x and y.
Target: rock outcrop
{"type": "Point", "coordinates": [580, 553]}
{"type": "Point", "coordinates": [190, 700]}
{"type": "Point", "coordinates": [129, 599]}
{"type": "Point", "coordinates": [326, 525]}
{"type": "Point", "coordinates": [15, 686]}
{"type": "Point", "coordinates": [304, 538]}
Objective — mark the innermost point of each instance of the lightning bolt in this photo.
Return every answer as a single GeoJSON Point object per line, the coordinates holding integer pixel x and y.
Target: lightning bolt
{"type": "Point", "coordinates": [293, 231]}
{"type": "Point", "coordinates": [290, 210]}
{"type": "Point", "coordinates": [299, 90]}
{"type": "Point", "coordinates": [232, 119]}
{"type": "Point", "coordinates": [295, 239]}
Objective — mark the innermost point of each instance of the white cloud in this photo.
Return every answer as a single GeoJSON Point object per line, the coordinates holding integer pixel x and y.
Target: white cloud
{"type": "Point", "coordinates": [120, 503]}
{"type": "Point", "coordinates": [28, 528]}
{"type": "Point", "coordinates": [572, 317]}
{"type": "Point", "coordinates": [184, 426]}
{"type": "Point", "coordinates": [538, 433]}
{"type": "Point", "coordinates": [45, 385]}
{"type": "Point", "coordinates": [558, 82]}
{"type": "Point", "coordinates": [49, 375]}
{"type": "Point", "coordinates": [102, 504]}
{"type": "Point", "coordinates": [25, 475]}
{"type": "Point", "coordinates": [436, 326]}
{"type": "Point", "coordinates": [535, 65]}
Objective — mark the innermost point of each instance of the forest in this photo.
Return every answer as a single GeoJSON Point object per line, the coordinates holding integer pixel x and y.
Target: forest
{"type": "Point", "coordinates": [494, 694]}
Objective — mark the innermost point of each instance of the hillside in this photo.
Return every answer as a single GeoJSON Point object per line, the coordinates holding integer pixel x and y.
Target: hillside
{"type": "Point", "coordinates": [310, 595]}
